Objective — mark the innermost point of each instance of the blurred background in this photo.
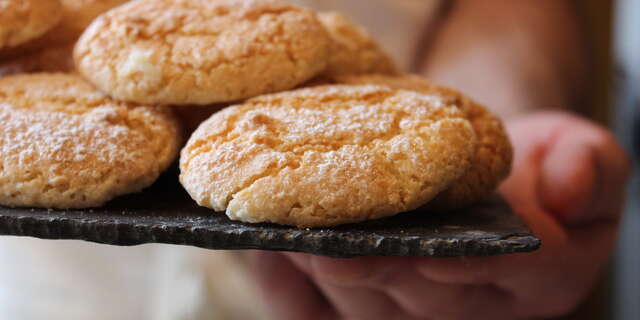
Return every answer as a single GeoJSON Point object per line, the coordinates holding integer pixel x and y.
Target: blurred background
{"type": "Point", "coordinates": [614, 26]}
{"type": "Point", "coordinates": [626, 118]}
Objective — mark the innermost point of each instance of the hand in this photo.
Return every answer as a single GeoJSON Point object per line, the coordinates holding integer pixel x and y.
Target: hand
{"type": "Point", "coordinates": [567, 184]}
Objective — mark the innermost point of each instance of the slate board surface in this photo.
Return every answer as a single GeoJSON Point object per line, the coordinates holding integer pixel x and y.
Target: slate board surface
{"type": "Point", "coordinates": [164, 213]}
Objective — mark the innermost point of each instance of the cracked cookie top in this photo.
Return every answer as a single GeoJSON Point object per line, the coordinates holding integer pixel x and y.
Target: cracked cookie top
{"type": "Point", "coordinates": [63, 144]}
{"type": "Point", "coordinates": [492, 160]}
{"type": "Point", "coordinates": [200, 51]}
{"type": "Point", "coordinates": [326, 155]}
{"type": "Point", "coordinates": [24, 20]}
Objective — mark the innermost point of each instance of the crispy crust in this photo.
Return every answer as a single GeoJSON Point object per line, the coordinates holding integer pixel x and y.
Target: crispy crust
{"type": "Point", "coordinates": [493, 156]}
{"type": "Point", "coordinates": [24, 20]}
{"type": "Point", "coordinates": [327, 155]}
{"type": "Point", "coordinates": [65, 145]}
{"type": "Point", "coordinates": [201, 51]}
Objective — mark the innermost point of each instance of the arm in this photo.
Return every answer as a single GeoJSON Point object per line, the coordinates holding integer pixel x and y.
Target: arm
{"type": "Point", "coordinates": [500, 52]}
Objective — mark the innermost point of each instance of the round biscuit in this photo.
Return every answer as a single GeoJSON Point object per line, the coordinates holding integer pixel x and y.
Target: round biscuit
{"type": "Point", "coordinates": [188, 52]}
{"type": "Point", "coordinates": [326, 155]}
{"type": "Point", "coordinates": [24, 20]}
{"type": "Point", "coordinates": [76, 17]}
{"type": "Point", "coordinates": [493, 156]}
{"type": "Point", "coordinates": [63, 144]}
{"type": "Point", "coordinates": [354, 51]}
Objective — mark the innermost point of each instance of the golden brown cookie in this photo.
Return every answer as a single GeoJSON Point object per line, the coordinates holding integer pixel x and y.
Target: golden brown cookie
{"type": "Point", "coordinates": [493, 157]}
{"type": "Point", "coordinates": [50, 59]}
{"type": "Point", "coordinates": [326, 155]}
{"type": "Point", "coordinates": [201, 51]}
{"type": "Point", "coordinates": [354, 51]}
{"type": "Point", "coordinates": [24, 20]}
{"type": "Point", "coordinates": [63, 144]}
{"type": "Point", "coordinates": [76, 17]}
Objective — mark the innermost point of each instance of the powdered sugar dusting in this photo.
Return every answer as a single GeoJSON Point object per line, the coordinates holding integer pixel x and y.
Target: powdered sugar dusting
{"type": "Point", "coordinates": [64, 145]}
{"type": "Point", "coordinates": [351, 153]}
{"type": "Point", "coordinates": [60, 137]}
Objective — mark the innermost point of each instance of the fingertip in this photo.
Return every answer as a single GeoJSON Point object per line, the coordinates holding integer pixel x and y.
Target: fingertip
{"type": "Point", "coordinates": [615, 166]}
{"type": "Point", "coordinates": [584, 173]}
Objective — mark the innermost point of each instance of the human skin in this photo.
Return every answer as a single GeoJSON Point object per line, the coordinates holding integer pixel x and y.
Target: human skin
{"type": "Point", "coordinates": [567, 184]}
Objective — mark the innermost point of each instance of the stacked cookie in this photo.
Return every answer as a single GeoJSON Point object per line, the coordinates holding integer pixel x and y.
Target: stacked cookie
{"type": "Point", "coordinates": [39, 35]}
{"type": "Point", "coordinates": [63, 143]}
{"type": "Point", "coordinates": [301, 118]}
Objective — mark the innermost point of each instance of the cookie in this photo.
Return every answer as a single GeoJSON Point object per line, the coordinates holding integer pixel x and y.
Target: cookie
{"type": "Point", "coordinates": [76, 17]}
{"type": "Point", "coordinates": [50, 59]}
{"type": "Point", "coordinates": [63, 144]}
{"type": "Point", "coordinates": [354, 51]}
{"type": "Point", "coordinates": [493, 156]}
{"type": "Point", "coordinates": [186, 52]}
{"type": "Point", "coordinates": [326, 155]}
{"type": "Point", "coordinates": [24, 20]}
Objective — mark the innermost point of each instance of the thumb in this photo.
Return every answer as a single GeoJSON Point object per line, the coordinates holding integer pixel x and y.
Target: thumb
{"type": "Point", "coordinates": [583, 173]}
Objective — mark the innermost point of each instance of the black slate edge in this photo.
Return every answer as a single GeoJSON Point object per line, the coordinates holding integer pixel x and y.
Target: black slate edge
{"type": "Point", "coordinates": [252, 237]}
{"type": "Point", "coordinates": [164, 213]}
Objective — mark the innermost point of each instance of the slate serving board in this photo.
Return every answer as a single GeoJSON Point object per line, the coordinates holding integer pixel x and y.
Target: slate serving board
{"type": "Point", "coordinates": [164, 213]}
